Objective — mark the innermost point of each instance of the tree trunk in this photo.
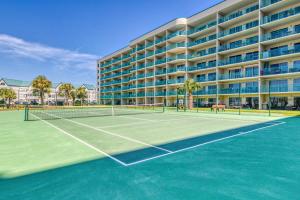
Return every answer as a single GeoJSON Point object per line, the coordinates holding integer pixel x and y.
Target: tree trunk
{"type": "Point", "coordinates": [191, 101]}
{"type": "Point", "coordinates": [8, 105]}
{"type": "Point", "coordinates": [42, 98]}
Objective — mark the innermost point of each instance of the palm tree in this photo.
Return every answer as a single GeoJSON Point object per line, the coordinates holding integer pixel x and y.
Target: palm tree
{"type": "Point", "coordinates": [66, 90]}
{"type": "Point", "coordinates": [73, 96]}
{"type": "Point", "coordinates": [190, 86]}
{"type": "Point", "coordinates": [41, 85]}
{"type": "Point", "coordinates": [8, 95]}
{"type": "Point", "coordinates": [81, 94]}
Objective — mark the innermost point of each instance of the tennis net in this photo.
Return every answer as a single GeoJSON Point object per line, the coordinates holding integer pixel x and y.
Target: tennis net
{"type": "Point", "coordinates": [33, 113]}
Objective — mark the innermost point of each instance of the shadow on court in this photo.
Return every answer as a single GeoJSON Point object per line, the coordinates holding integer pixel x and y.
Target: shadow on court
{"type": "Point", "coordinates": [263, 165]}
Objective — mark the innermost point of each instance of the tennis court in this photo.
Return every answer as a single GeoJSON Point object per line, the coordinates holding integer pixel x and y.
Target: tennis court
{"type": "Point", "coordinates": [134, 147]}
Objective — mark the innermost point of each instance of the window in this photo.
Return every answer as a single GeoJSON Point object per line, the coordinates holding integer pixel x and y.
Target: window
{"type": "Point", "coordinates": [251, 71]}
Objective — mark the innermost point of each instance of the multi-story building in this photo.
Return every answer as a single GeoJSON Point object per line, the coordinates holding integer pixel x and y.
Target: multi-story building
{"type": "Point", "coordinates": [244, 50]}
{"type": "Point", "coordinates": [24, 92]}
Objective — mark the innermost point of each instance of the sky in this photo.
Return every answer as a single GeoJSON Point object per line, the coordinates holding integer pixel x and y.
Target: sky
{"type": "Point", "coordinates": [62, 39]}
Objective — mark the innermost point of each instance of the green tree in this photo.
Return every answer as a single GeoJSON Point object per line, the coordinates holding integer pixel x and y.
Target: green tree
{"type": "Point", "coordinates": [8, 95]}
{"type": "Point", "coordinates": [41, 86]}
{"type": "Point", "coordinates": [190, 85]}
{"type": "Point", "coordinates": [65, 90]}
{"type": "Point", "coordinates": [81, 94]}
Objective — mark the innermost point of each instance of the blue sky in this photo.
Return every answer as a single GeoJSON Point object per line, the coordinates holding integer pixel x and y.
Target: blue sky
{"type": "Point", "coordinates": [63, 38]}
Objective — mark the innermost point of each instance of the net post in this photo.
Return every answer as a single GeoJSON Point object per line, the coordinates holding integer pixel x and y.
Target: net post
{"type": "Point", "coordinates": [26, 113]}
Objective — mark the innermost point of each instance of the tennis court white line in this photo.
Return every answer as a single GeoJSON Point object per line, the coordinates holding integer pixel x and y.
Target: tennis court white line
{"type": "Point", "coordinates": [81, 141]}
{"type": "Point", "coordinates": [110, 133]}
{"type": "Point", "coordinates": [216, 118]}
{"type": "Point", "coordinates": [202, 144]}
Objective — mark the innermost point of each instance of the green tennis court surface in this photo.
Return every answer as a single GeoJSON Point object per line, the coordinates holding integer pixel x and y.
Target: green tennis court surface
{"type": "Point", "coordinates": [151, 155]}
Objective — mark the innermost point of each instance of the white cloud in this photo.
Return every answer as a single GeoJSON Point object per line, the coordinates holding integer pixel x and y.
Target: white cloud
{"type": "Point", "coordinates": [61, 58]}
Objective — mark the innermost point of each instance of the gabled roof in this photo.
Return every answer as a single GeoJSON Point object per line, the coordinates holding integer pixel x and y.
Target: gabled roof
{"type": "Point", "coordinates": [89, 86]}
{"type": "Point", "coordinates": [55, 85]}
{"type": "Point", "coordinates": [17, 83]}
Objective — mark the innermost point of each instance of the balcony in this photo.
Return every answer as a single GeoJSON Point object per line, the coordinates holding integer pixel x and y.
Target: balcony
{"type": "Point", "coordinates": [206, 92]}
{"type": "Point", "coordinates": [276, 89]}
{"type": "Point", "coordinates": [116, 60]}
{"type": "Point", "coordinates": [150, 64]}
{"type": "Point", "coordinates": [201, 54]}
{"type": "Point", "coordinates": [160, 61]}
{"type": "Point", "coordinates": [160, 93]}
{"type": "Point", "coordinates": [176, 69]}
{"type": "Point", "coordinates": [280, 35]}
{"type": "Point", "coordinates": [195, 68]}
{"type": "Point", "coordinates": [150, 94]}
{"type": "Point", "coordinates": [141, 47]}
{"type": "Point", "coordinates": [160, 40]}
{"type": "Point", "coordinates": [160, 72]}
{"type": "Point", "coordinates": [276, 71]}
{"type": "Point", "coordinates": [176, 34]}
{"type": "Point", "coordinates": [238, 14]}
{"type": "Point", "coordinates": [175, 81]}
{"type": "Point", "coordinates": [201, 28]}
{"type": "Point", "coordinates": [281, 15]}
{"type": "Point", "coordinates": [160, 82]}
{"type": "Point", "coordinates": [200, 41]}
{"type": "Point", "coordinates": [176, 58]}
{"type": "Point", "coordinates": [238, 44]}
{"type": "Point", "coordinates": [265, 3]}
{"type": "Point", "coordinates": [140, 94]}
{"type": "Point", "coordinates": [161, 50]}
{"type": "Point", "coordinates": [172, 93]}
{"type": "Point", "coordinates": [126, 64]}
{"type": "Point", "coordinates": [141, 66]}
{"type": "Point", "coordinates": [242, 90]}
{"type": "Point", "coordinates": [237, 60]}
{"type": "Point", "coordinates": [125, 80]}
{"type": "Point", "coordinates": [140, 57]}
{"type": "Point", "coordinates": [149, 84]}
{"type": "Point", "coordinates": [149, 54]}
{"type": "Point", "coordinates": [149, 74]}
{"type": "Point", "coordinates": [238, 29]}
{"type": "Point", "coordinates": [230, 76]}
{"type": "Point", "coordinates": [140, 76]}
{"type": "Point", "coordinates": [125, 56]}
{"type": "Point", "coordinates": [175, 46]}
{"type": "Point", "coordinates": [280, 52]}
{"type": "Point", "coordinates": [149, 44]}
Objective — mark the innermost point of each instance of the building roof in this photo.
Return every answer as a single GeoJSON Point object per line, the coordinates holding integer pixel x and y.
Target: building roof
{"type": "Point", "coordinates": [89, 86]}
{"type": "Point", "coordinates": [20, 83]}
{"type": "Point", "coordinates": [17, 83]}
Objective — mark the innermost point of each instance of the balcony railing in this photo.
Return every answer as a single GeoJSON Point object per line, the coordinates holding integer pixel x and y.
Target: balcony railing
{"type": "Point", "coordinates": [149, 74]}
{"type": "Point", "coordinates": [265, 3]}
{"type": "Point", "coordinates": [275, 35]}
{"type": "Point", "coordinates": [177, 57]}
{"type": "Point", "coordinates": [177, 33]}
{"type": "Point", "coordinates": [160, 72]}
{"type": "Point", "coordinates": [203, 53]}
{"type": "Point", "coordinates": [176, 45]}
{"type": "Point", "coordinates": [235, 45]}
{"type": "Point", "coordinates": [281, 15]}
{"type": "Point", "coordinates": [175, 81]}
{"type": "Point", "coordinates": [280, 52]}
{"type": "Point", "coordinates": [194, 68]}
{"type": "Point", "coordinates": [242, 90]}
{"type": "Point", "coordinates": [176, 69]}
{"type": "Point", "coordinates": [275, 71]}
{"type": "Point", "coordinates": [161, 82]}
{"type": "Point", "coordinates": [202, 27]}
{"type": "Point", "coordinates": [239, 29]}
{"type": "Point", "coordinates": [160, 61]}
{"type": "Point", "coordinates": [238, 13]}
{"type": "Point", "coordinates": [244, 58]}
{"type": "Point", "coordinates": [202, 40]}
